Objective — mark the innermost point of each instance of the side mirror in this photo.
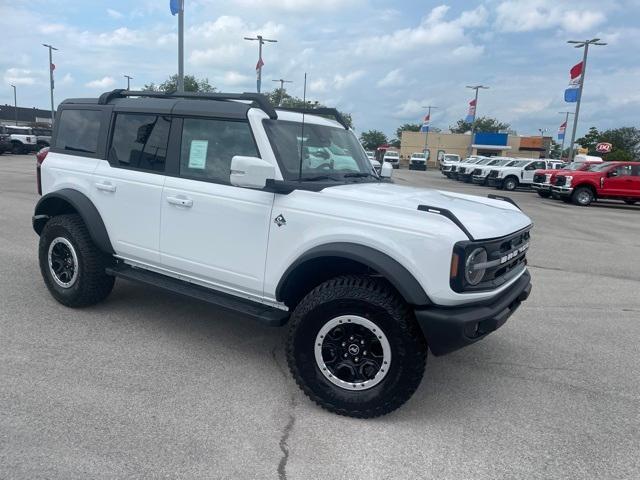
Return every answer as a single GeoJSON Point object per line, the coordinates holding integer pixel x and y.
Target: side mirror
{"type": "Point", "coordinates": [251, 172]}
{"type": "Point", "coordinates": [612, 173]}
{"type": "Point", "coordinates": [386, 170]}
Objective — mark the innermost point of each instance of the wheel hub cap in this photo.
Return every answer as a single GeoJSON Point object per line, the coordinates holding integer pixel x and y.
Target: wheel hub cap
{"type": "Point", "coordinates": [352, 352]}
{"type": "Point", "coordinates": [63, 262]}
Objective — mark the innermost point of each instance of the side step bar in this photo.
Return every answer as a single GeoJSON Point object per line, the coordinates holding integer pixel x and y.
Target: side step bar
{"type": "Point", "coordinates": [270, 316]}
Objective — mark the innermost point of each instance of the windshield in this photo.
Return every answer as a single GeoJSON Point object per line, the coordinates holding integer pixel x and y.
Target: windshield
{"type": "Point", "coordinates": [598, 167]}
{"type": "Point", "coordinates": [484, 161]}
{"type": "Point", "coordinates": [417, 155]}
{"type": "Point", "coordinates": [19, 131]}
{"type": "Point", "coordinates": [451, 158]}
{"type": "Point", "coordinates": [330, 153]}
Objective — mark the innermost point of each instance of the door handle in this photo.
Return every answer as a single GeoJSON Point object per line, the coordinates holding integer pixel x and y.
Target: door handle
{"type": "Point", "coordinates": [106, 187]}
{"type": "Point", "coordinates": [180, 201]}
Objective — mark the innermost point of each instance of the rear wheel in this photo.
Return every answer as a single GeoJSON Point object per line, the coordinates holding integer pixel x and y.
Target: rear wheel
{"type": "Point", "coordinates": [510, 183]}
{"type": "Point", "coordinates": [355, 348]}
{"type": "Point", "coordinates": [17, 148]}
{"type": "Point", "coordinates": [582, 196]}
{"type": "Point", "coordinates": [72, 266]}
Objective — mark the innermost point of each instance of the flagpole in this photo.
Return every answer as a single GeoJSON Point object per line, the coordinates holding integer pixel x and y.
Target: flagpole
{"type": "Point", "coordinates": [50, 47]}
{"type": "Point", "coordinates": [475, 112]}
{"type": "Point", "coordinates": [585, 44]}
{"type": "Point", "coordinates": [426, 135]}
{"type": "Point", "coordinates": [261, 40]}
{"type": "Point", "coordinates": [564, 134]}
{"type": "Point", "coordinates": [181, 47]}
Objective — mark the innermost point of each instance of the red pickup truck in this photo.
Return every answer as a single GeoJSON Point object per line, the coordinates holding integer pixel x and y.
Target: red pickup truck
{"type": "Point", "coordinates": [612, 180]}
{"type": "Point", "coordinates": [543, 179]}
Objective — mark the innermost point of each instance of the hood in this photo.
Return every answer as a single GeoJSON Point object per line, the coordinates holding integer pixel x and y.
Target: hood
{"type": "Point", "coordinates": [483, 217]}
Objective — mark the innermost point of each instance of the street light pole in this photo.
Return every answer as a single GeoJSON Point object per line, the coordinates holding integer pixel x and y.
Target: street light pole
{"type": "Point", "coordinates": [475, 112]}
{"type": "Point", "coordinates": [261, 41]}
{"type": "Point", "coordinates": [181, 48]}
{"type": "Point", "coordinates": [580, 44]}
{"type": "Point", "coordinates": [426, 136]}
{"type": "Point", "coordinates": [564, 135]}
{"type": "Point", "coordinates": [282, 82]}
{"type": "Point", "coordinates": [15, 104]}
{"type": "Point", "coordinates": [51, 78]}
{"type": "Point", "coordinates": [128, 81]}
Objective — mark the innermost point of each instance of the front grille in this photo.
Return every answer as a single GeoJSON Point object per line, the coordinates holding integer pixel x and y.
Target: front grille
{"type": "Point", "coordinates": [539, 178]}
{"type": "Point", "coordinates": [561, 181]}
{"type": "Point", "coordinates": [462, 170]}
{"type": "Point", "coordinates": [493, 173]}
{"type": "Point", "coordinates": [454, 168]}
{"type": "Point", "coordinates": [477, 171]}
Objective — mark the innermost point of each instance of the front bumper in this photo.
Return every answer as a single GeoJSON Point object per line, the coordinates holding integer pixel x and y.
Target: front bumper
{"type": "Point", "coordinates": [479, 180]}
{"type": "Point", "coordinates": [562, 191]}
{"type": "Point", "coordinates": [417, 166]}
{"type": "Point", "coordinates": [464, 177]}
{"type": "Point", "coordinates": [450, 328]}
{"type": "Point", "coordinates": [541, 187]}
{"type": "Point", "coordinates": [495, 182]}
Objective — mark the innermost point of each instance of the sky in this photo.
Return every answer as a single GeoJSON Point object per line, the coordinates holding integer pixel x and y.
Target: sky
{"type": "Point", "coordinates": [379, 60]}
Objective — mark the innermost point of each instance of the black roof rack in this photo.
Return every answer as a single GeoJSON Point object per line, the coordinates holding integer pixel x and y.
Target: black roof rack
{"type": "Point", "coordinates": [332, 112]}
{"type": "Point", "coordinates": [260, 100]}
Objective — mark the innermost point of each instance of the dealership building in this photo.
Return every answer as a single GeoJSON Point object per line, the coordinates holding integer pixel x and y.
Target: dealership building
{"type": "Point", "coordinates": [487, 144]}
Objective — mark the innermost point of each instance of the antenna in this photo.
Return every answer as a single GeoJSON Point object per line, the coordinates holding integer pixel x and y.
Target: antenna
{"type": "Point", "coordinates": [304, 101]}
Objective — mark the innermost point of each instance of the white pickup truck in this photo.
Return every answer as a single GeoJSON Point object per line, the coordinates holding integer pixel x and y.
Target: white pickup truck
{"type": "Point", "coordinates": [518, 174]}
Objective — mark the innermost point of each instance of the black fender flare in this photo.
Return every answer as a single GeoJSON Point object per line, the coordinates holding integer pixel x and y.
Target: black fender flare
{"type": "Point", "coordinates": [390, 269]}
{"type": "Point", "coordinates": [55, 203]}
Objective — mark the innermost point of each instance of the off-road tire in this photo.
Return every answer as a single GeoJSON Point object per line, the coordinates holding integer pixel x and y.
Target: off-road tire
{"type": "Point", "coordinates": [17, 148]}
{"type": "Point", "coordinates": [92, 284]}
{"type": "Point", "coordinates": [377, 301]}
{"type": "Point", "coordinates": [510, 184]}
{"type": "Point", "coordinates": [582, 196]}
{"type": "Point", "coordinates": [544, 194]}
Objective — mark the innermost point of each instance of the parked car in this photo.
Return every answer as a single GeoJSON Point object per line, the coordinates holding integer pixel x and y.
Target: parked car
{"type": "Point", "coordinates": [457, 171]}
{"type": "Point", "coordinates": [43, 137]}
{"type": "Point", "coordinates": [449, 161]}
{"type": "Point", "coordinates": [519, 174]}
{"type": "Point", "coordinates": [448, 158]}
{"type": "Point", "coordinates": [22, 138]}
{"type": "Point", "coordinates": [418, 161]}
{"type": "Point", "coordinates": [376, 165]}
{"type": "Point", "coordinates": [465, 174]}
{"type": "Point", "coordinates": [212, 197]}
{"type": "Point", "coordinates": [393, 158]}
{"type": "Point", "coordinates": [480, 173]}
{"type": "Point", "coordinates": [610, 180]}
{"type": "Point", "coordinates": [543, 179]}
{"type": "Point", "coordinates": [5, 143]}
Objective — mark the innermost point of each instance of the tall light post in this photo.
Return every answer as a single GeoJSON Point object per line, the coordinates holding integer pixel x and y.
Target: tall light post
{"type": "Point", "coordinates": [15, 105]}
{"type": "Point", "coordinates": [128, 81]}
{"type": "Point", "coordinates": [426, 135]}
{"type": "Point", "coordinates": [580, 44]}
{"type": "Point", "coordinates": [261, 41]}
{"type": "Point", "coordinates": [51, 67]}
{"type": "Point", "coordinates": [566, 121]}
{"type": "Point", "coordinates": [475, 111]}
{"type": "Point", "coordinates": [282, 82]}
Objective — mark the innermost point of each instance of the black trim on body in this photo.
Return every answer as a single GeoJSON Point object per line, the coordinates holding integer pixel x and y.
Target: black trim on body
{"type": "Point", "coordinates": [55, 203]}
{"type": "Point", "coordinates": [505, 199]}
{"type": "Point", "coordinates": [386, 266]}
{"type": "Point", "coordinates": [448, 214]}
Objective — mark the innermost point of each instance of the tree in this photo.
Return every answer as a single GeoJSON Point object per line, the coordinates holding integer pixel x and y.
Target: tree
{"type": "Point", "coordinates": [590, 140]}
{"type": "Point", "coordinates": [407, 127]}
{"type": "Point", "coordinates": [625, 142]}
{"type": "Point", "coordinates": [372, 139]}
{"type": "Point", "coordinates": [395, 143]}
{"type": "Point", "coordinates": [554, 151]}
{"type": "Point", "coordinates": [481, 124]}
{"type": "Point", "coordinates": [280, 97]}
{"type": "Point", "coordinates": [191, 84]}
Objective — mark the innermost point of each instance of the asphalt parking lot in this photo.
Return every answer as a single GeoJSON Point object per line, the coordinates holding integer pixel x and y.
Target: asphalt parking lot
{"type": "Point", "coordinates": [150, 385]}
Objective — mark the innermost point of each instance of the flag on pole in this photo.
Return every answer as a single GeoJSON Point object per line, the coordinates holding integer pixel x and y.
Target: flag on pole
{"type": "Point", "coordinates": [575, 74]}
{"type": "Point", "coordinates": [561, 131]}
{"type": "Point", "coordinates": [471, 114]}
{"type": "Point", "coordinates": [425, 124]}
{"type": "Point", "coordinates": [176, 6]}
{"type": "Point", "coordinates": [259, 65]}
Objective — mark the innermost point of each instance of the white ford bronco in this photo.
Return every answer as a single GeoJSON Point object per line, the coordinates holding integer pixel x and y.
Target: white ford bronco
{"type": "Point", "coordinates": [277, 214]}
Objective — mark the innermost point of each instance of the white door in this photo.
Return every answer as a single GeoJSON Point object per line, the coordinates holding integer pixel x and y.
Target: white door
{"type": "Point", "coordinates": [526, 175]}
{"type": "Point", "coordinates": [210, 230]}
{"type": "Point", "coordinates": [127, 189]}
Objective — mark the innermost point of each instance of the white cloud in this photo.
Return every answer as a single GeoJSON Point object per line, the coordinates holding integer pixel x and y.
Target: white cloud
{"type": "Point", "coordinates": [49, 28]}
{"type": "Point", "coordinates": [104, 82]}
{"type": "Point", "coordinates": [393, 78]}
{"type": "Point", "coordinates": [411, 108]}
{"type": "Point", "coordinates": [529, 15]}
{"type": "Point", "coordinates": [299, 5]}
{"type": "Point", "coordinates": [222, 55]}
{"type": "Point", "coordinates": [114, 13]}
{"type": "Point", "coordinates": [20, 76]}
{"type": "Point", "coordinates": [67, 79]}
{"type": "Point", "coordinates": [344, 81]}
{"type": "Point", "coordinates": [234, 78]}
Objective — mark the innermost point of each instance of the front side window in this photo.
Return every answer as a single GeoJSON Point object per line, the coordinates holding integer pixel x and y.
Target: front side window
{"type": "Point", "coordinates": [319, 151]}
{"type": "Point", "coordinates": [78, 130]}
{"type": "Point", "coordinates": [209, 145]}
{"type": "Point", "coordinates": [140, 141]}
{"type": "Point", "coordinates": [623, 171]}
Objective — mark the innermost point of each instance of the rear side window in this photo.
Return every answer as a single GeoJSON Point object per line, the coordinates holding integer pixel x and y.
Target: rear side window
{"type": "Point", "coordinates": [140, 141]}
{"type": "Point", "coordinates": [78, 130]}
{"type": "Point", "coordinates": [209, 145]}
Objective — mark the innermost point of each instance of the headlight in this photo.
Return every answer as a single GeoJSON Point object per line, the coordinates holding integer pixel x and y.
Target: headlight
{"type": "Point", "coordinates": [472, 273]}
{"type": "Point", "coordinates": [568, 178]}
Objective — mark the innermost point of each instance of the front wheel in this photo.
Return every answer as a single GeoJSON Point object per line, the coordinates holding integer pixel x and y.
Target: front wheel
{"type": "Point", "coordinates": [72, 266]}
{"type": "Point", "coordinates": [355, 348]}
{"type": "Point", "coordinates": [17, 148]}
{"type": "Point", "coordinates": [510, 184]}
{"type": "Point", "coordinates": [582, 196]}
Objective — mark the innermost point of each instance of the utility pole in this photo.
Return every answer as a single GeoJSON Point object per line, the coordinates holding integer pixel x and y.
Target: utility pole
{"type": "Point", "coordinates": [51, 67]}
{"type": "Point", "coordinates": [261, 41]}
{"type": "Point", "coordinates": [566, 121]}
{"type": "Point", "coordinates": [128, 81]}
{"type": "Point", "coordinates": [15, 104]}
{"type": "Point", "coordinates": [580, 44]}
{"type": "Point", "coordinates": [475, 112]}
{"type": "Point", "coordinates": [426, 136]}
{"type": "Point", "coordinates": [181, 48]}
{"type": "Point", "coordinates": [282, 82]}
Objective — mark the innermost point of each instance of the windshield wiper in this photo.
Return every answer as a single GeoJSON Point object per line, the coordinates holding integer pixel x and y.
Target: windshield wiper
{"type": "Point", "coordinates": [318, 178]}
{"type": "Point", "coordinates": [360, 175]}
